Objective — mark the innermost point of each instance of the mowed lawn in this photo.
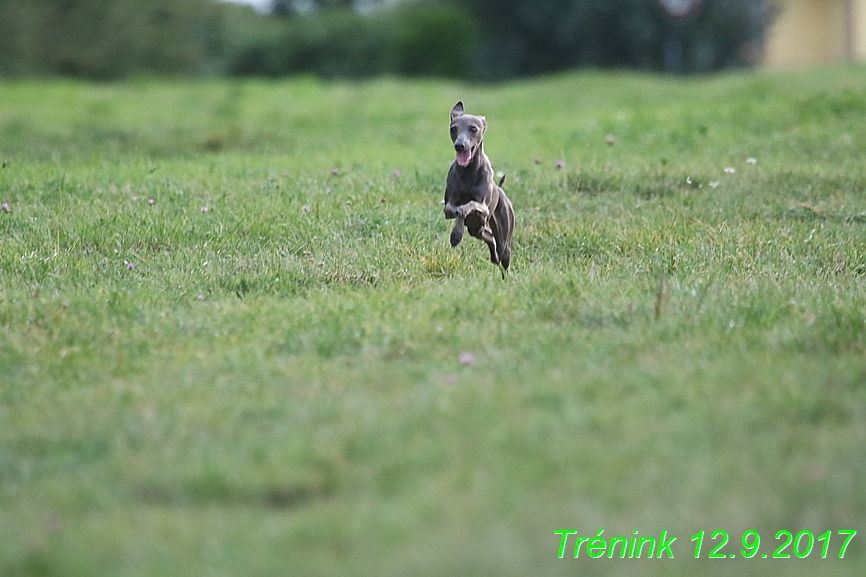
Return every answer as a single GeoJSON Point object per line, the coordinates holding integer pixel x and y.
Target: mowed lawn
{"type": "Point", "coordinates": [234, 339]}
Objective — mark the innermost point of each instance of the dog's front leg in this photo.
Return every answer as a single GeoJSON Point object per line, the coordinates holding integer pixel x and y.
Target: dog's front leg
{"type": "Point", "coordinates": [464, 210]}
{"type": "Point", "coordinates": [450, 211]}
{"type": "Point", "coordinates": [474, 206]}
{"type": "Point", "coordinates": [457, 231]}
{"type": "Point", "coordinates": [458, 213]}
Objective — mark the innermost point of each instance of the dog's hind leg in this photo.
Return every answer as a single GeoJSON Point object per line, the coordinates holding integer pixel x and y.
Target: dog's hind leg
{"type": "Point", "coordinates": [479, 230]}
{"type": "Point", "coordinates": [487, 236]}
{"type": "Point", "coordinates": [503, 251]}
{"type": "Point", "coordinates": [502, 225]}
{"type": "Point", "coordinates": [505, 257]}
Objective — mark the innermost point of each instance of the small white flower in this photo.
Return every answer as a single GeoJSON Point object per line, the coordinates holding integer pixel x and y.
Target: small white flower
{"type": "Point", "coordinates": [751, 160]}
{"type": "Point", "coordinates": [714, 183]}
{"type": "Point", "coordinates": [730, 170]}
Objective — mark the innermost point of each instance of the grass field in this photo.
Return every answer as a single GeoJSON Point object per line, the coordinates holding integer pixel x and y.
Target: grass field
{"type": "Point", "coordinates": [220, 356]}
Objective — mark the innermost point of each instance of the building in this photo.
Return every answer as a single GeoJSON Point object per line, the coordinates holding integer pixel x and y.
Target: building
{"type": "Point", "coordinates": [807, 33]}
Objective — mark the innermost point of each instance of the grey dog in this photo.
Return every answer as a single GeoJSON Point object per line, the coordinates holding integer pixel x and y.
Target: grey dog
{"type": "Point", "coordinates": [471, 195]}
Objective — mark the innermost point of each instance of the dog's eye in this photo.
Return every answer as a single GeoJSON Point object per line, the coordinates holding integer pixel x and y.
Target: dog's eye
{"type": "Point", "coordinates": [473, 129]}
{"type": "Point", "coordinates": [453, 130]}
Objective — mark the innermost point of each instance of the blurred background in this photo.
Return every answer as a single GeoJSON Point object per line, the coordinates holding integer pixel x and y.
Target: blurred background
{"type": "Point", "coordinates": [477, 39]}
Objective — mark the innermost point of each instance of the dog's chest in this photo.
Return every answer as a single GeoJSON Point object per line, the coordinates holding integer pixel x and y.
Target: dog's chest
{"type": "Point", "coordinates": [471, 187]}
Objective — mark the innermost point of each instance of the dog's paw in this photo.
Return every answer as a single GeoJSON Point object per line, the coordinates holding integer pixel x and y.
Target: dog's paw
{"type": "Point", "coordinates": [456, 236]}
{"type": "Point", "coordinates": [457, 232]}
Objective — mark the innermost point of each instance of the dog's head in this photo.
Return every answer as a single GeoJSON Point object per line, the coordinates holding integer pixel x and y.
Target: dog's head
{"type": "Point", "coordinates": [467, 131]}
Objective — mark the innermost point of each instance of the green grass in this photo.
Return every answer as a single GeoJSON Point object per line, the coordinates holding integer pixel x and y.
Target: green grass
{"type": "Point", "coordinates": [275, 388]}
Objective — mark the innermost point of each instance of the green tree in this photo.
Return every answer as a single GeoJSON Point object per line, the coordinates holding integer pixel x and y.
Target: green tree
{"type": "Point", "coordinates": [534, 36]}
{"type": "Point", "coordinates": [104, 39]}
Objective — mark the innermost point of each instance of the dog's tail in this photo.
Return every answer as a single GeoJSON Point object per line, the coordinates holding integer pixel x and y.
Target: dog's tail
{"type": "Point", "coordinates": [501, 180]}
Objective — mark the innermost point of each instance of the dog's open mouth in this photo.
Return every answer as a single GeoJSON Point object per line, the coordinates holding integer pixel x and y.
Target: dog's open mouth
{"type": "Point", "coordinates": [464, 157]}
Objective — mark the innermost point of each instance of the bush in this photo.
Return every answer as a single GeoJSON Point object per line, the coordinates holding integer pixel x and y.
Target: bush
{"type": "Point", "coordinates": [104, 39]}
{"type": "Point", "coordinates": [411, 39]}
{"type": "Point", "coordinates": [431, 40]}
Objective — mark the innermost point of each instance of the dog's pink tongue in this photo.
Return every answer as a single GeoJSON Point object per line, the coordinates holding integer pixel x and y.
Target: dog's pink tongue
{"type": "Point", "coordinates": [464, 157]}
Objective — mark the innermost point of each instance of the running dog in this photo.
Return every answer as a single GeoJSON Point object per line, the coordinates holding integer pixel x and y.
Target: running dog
{"type": "Point", "coordinates": [471, 195]}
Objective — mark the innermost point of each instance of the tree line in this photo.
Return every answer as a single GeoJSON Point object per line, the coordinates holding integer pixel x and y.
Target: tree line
{"type": "Point", "coordinates": [485, 39]}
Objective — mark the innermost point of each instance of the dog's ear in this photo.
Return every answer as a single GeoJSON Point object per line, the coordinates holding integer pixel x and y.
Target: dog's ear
{"type": "Point", "coordinates": [484, 122]}
{"type": "Point", "coordinates": [457, 110]}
